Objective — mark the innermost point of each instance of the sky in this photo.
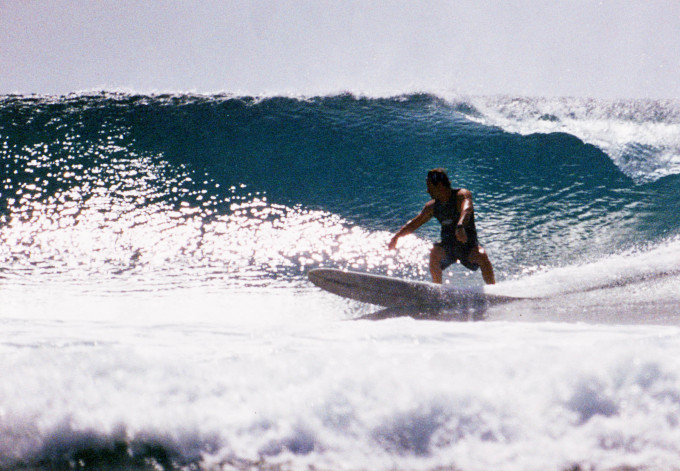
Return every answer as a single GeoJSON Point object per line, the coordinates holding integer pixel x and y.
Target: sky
{"type": "Point", "coordinates": [601, 49]}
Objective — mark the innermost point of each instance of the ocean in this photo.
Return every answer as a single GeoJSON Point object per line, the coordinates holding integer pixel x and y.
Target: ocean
{"type": "Point", "coordinates": [156, 313]}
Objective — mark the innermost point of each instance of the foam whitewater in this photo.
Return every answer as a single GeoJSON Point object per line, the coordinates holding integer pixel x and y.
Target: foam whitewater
{"type": "Point", "coordinates": [156, 314]}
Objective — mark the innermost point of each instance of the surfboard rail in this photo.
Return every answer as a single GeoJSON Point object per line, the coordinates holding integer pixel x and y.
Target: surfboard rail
{"type": "Point", "coordinates": [389, 291]}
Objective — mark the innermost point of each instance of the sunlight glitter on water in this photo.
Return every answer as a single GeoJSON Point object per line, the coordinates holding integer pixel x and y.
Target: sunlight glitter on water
{"type": "Point", "coordinates": [104, 235]}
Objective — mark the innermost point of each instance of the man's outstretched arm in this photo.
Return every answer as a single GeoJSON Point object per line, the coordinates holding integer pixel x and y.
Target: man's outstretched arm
{"type": "Point", "coordinates": [424, 216]}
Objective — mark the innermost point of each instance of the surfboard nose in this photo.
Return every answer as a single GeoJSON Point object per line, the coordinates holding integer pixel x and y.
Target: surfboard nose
{"type": "Point", "coordinates": [318, 275]}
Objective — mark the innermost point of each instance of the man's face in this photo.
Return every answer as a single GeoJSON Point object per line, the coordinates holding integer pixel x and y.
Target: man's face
{"type": "Point", "coordinates": [431, 188]}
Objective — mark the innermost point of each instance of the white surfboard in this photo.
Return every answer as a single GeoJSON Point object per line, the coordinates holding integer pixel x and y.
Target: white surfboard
{"type": "Point", "coordinates": [396, 292]}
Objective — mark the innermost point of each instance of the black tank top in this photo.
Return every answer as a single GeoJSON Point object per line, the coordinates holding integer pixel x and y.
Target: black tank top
{"type": "Point", "coordinates": [448, 216]}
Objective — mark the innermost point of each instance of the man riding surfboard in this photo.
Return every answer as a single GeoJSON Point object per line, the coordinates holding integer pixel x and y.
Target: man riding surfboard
{"type": "Point", "coordinates": [453, 209]}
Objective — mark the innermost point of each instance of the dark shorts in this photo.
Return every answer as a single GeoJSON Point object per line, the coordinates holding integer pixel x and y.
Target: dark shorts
{"type": "Point", "coordinates": [457, 252]}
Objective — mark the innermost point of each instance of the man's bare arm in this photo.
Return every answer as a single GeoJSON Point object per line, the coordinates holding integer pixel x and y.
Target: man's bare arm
{"type": "Point", "coordinates": [424, 216]}
{"type": "Point", "coordinates": [465, 204]}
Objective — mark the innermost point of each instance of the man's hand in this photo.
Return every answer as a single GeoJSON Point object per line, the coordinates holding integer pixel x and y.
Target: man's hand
{"type": "Point", "coordinates": [393, 243]}
{"type": "Point", "coordinates": [461, 235]}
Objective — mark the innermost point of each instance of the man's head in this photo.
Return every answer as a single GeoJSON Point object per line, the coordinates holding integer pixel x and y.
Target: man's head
{"type": "Point", "coordinates": [438, 176]}
{"type": "Point", "coordinates": [437, 181]}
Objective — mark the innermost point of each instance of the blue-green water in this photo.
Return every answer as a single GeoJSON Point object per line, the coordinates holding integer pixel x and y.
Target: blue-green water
{"type": "Point", "coordinates": [541, 199]}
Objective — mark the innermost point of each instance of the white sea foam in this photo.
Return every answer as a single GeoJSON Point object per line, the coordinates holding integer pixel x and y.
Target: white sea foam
{"type": "Point", "coordinates": [618, 270]}
{"type": "Point", "coordinates": [283, 377]}
{"type": "Point", "coordinates": [641, 136]}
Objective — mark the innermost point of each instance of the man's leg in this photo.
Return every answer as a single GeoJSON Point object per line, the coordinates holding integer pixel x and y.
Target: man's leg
{"type": "Point", "coordinates": [437, 254]}
{"type": "Point", "coordinates": [479, 256]}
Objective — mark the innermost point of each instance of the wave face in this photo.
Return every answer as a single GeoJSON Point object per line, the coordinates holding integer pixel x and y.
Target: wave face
{"type": "Point", "coordinates": [156, 314]}
{"type": "Point", "coordinates": [122, 183]}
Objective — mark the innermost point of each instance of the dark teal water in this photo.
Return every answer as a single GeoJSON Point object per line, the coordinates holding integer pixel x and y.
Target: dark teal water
{"type": "Point", "coordinates": [541, 199]}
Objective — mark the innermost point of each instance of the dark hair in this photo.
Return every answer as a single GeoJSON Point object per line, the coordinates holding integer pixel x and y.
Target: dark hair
{"type": "Point", "coordinates": [438, 175]}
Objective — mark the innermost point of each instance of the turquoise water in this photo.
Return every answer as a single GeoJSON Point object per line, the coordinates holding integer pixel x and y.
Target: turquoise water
{"type": "Point", "coordinates": [541, 199]}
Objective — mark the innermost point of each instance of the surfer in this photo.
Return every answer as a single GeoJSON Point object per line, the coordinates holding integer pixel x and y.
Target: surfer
{"type": "Point", "coordinates": [453, 208]}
